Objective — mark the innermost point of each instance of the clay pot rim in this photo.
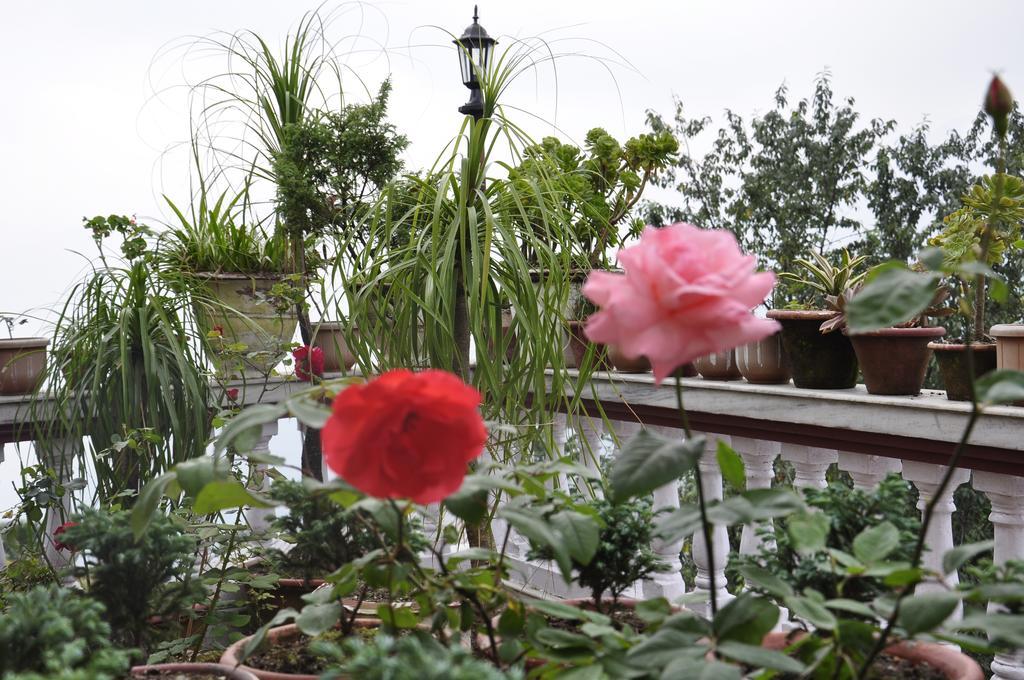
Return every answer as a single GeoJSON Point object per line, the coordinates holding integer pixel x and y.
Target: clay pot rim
{"type": "Point", "coordinates": [961, 346]}
{"type": "Point", "coordinates": [801, 314]}
{"type": "Point", "coordinates": [286, 632]}
{"type": "Point", "coordinates": [952, 663]}
{"type": "Point", "coordinates": [914, 332]}
{"type": "Point", "coordinates": [1007, 330]}
{"type": "Point", "coordinates": [21, 343]}
{"type": "Point", "coordinates": [239, 276]}
{"type": "Point", "coordinates": [210, 668]}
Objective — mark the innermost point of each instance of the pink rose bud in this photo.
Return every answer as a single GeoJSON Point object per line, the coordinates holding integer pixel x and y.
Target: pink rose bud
{"type": "Point", "coordinates": [998, 104]}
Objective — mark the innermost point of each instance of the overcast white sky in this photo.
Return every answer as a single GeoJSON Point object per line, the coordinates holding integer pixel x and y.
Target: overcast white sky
{"type": "Point", "coordinates": [83, 135]}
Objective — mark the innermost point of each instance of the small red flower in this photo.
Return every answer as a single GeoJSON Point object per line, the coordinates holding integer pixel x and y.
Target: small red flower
{"type": "Point", "coordinates": [60, 530]}
{"type": "Point", "coordinates": [233, 394]}
{"type": "Point", "coordinates": [218, 330]}
{"type": "Point", "coordinates": [308, 363]}
{"type": "Point", "coordinates": [405, 435]}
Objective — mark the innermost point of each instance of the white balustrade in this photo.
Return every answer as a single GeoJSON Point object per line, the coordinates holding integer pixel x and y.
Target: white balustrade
{"type": "Point", "coordinates": [589, 431]}
{"type": "Point", "coordinates": [759, 462]}
{"type": "Point", "coordinates": [810, 464]}
{"type": "Point", "coordinates": [1006, 494]}
{"type": "Point", "coordinates": [939, 538]}
{"type": "Point", "coordinates": [669, 583]}
{"type": "Point", "coordinates": [259, 518]}
{"type": "Point", "coordinates": [711, 575]}
{"type": "Point", "coordinates": [867, 470]}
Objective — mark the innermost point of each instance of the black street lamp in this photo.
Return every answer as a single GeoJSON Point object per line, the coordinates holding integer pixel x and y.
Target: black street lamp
{"type": "Point", "coordinates": [475, 51]}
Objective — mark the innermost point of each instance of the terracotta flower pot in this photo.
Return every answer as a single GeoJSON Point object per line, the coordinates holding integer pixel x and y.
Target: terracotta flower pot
{"type": "Point", "coordinates": [275, 636]}
{"type": "Point", "coordinates": [895, 360]}
{"type": "Point", "coordinates": [329, 337]}
{"type": "Point", "coordinates": [22, 362]}
{"type": "Point", "coordinates": [952, 360]}
{"type": "Point", "coordinates": [718, 366]}
{"type": "Point", "coordinates": [246, 316]}
{"type": "Point", "coordinates": [764, 361]}
{"type": "Point", "coordinates": [954, 665]}
{"type": "Point", "coordinates": [820, 361]}
{"type": "Point", "coordinates": [1009, 346]}
{"type": "Point", "coordinates": [576, 348]}
{"type": "Point", "coordinates": [194, 669]}
{"type": "Point", "coordinates": [624, 364]}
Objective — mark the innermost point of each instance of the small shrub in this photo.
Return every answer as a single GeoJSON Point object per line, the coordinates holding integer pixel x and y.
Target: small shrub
{"type": "Point", "coordinates": [414, 657]}
{"type": "Point", "coordinates": [324, 535]}
{"type": "Point", "coordinates": [135, 580]}
{"type": "Point", "coordinates": [52, 632]}
{"type": "Point", "coordinates": [849, 511]}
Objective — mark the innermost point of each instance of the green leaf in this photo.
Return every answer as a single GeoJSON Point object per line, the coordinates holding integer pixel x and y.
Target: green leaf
{"type": "Point", "coordinates": [699, 669]}
{"type": "Point", "coordinates": [766, 580]}
{"type": "Point", "coordinates": [148, 502]}
{"type": "Point", "coordinates": [308, 412]}
{"type": "Point", "coordinates": [922, 613]}
{"type": "Point", "coordinates": [812, 611]}
{"type": "Point", "coordinates": [1005, 628]}
{"type": "Point", "coordinates": [469, 505]}
{"type": "Point", "coordinates": [759, 657]}
{"type": "Point", "coordinates": [852, 607]}
{"type": "Point", "coordinates": [1000, 387]}
{"type": "Point", "coordinates": [318, 618]}
{"type": "Point", "coordinates": [193, 475]}
{"type": "Point", "coordinates": [648, 461]}
{"type": "Point", "coordinates": [962, 554]}
{"type": "Point", "coordinates": [398, 616]}
{"type": "Point", "coordinates": [659, 649]}
{"type": "Point", "coordinates": [678, 524]}
{"type": "Point", "coordinates": [894, 295]}
{"type": "Point", "coordinates": [535, 528]}
{"type": "Point", "coordinates": [748, 619]}
{"type": "Point", "coordinates": [558, 610]}
{"type": "Point", "coordinates": [809, 531]}
{"type": "Point", "coordinates": [654, 610]}
{"type": "Point", "coordinates": [243, 430]}
{"type": "Point", "coordinates": [580, 533]}
{"type": "Point", "coordinates": [228, 493]}
{"type": "Point", "coordinates": [875, 543]}
{"type": "Point", "coordinates": [731, 465]}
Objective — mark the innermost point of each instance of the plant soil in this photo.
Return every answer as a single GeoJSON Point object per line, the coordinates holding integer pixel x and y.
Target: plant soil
{"type": "Point", "coordinates": [179, 675]}
{"type": "Point", "coordinates": [295, 655]}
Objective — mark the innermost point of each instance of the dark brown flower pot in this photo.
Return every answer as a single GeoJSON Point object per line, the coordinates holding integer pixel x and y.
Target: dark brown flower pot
{"type": "Point", "coordinates": [954, 665]}
{"type": "Point", "coordinates": [720, 366]}
{"type": "Point", "coordinates": [330, 338]}
{"type": "Point", "coordinates": [624, 364]}
{"type": "Point", "coordinates": [895, 360]}
{"type": "Point", "coordinates": [765, 361]}
{"type": "Point", "coordinates": [198, 670]}
{"type": "Point", "coordinates": [22, 362]}
{"type": "Point", "coordinates": [952, 359]}
{"type": "Point", "coordinates": [577, 345]}
{"type": "Point", "coordinates": [278, 635]}
{"type": "Point", "coordinates": [820, 361]}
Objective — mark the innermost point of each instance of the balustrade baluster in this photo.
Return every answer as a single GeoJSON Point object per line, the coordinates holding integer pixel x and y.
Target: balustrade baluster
{"type": "Point", "coordinates": [259, 518]}
{"type": "Point", "coordinates": [711, 478]}
{"type": "Point", "coordinates": [867, 470]}
{"type": "Point", "coordinates": [939, 539]}
{"type": "Point", "coordinates": [59, 454]}
{"type": "Point", "coordinates": [759, 461]}
{"type": "Point", "coordinates": [1006, 492]}
{"type": "Point", "coordinates": [810, 463]}
{"type": "Point", "coordinates": [590, 433]}
{"type": "Point", "coordinates": [669, 583]}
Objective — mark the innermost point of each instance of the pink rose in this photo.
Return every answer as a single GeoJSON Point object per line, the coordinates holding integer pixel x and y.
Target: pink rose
{"type": "Point", "coordinates": [686, 293]}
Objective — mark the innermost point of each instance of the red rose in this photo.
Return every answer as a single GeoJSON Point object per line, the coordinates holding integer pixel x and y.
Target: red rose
{"type": "Point", "coordinates": [405, 435]}
{"type": "Point", "coordinates": [232, 394]}
{"type": "Point", "coordinates": [60, 530]}
{"type": "Point", "coordinates": [307, 362]}
{"type": "Point", "coordinates": [998, 104]}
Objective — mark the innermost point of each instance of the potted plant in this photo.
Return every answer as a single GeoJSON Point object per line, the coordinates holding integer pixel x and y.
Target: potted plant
{"type": "Point", "coordinates": [22, 360]}
{"type": "Point", "coordinates": [243, 284]}
{"type": "Point", "coordinates": [894, 360]}
{"type": "Point", "coordinates": [982, 231]}
{"type": "Point", "coordinates": [820, 357]}
{"type": "Point", "coordinates": [55, 632]}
